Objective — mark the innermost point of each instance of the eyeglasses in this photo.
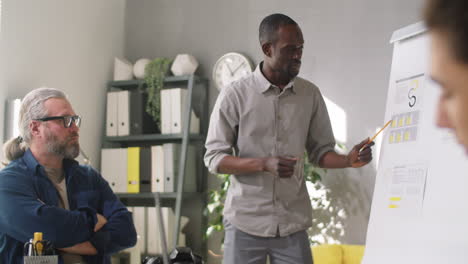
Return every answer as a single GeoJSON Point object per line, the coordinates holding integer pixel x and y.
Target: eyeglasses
{"type": "Point", "coordinates": [67, 120]}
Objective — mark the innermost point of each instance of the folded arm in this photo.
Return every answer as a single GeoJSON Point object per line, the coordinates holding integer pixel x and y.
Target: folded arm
{"type": "Point", "coordinates": [86, 248]}
{"type": "Point", "coordinates": [23, 213]}
{"type": "Point", "coordinates": [119, 231]}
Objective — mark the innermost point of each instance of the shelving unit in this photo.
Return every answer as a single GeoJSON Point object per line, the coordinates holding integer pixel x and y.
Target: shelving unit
{"type": "Point", "coordinates": [147, 199]}
{"type": "Point", "coordinates": [158, 138]}
{"type": "Point", "coordinates": [197, 100]}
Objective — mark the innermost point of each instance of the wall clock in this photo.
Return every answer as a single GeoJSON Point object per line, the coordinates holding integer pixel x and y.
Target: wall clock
{"type": "Point", "coordinates": [230, 67]}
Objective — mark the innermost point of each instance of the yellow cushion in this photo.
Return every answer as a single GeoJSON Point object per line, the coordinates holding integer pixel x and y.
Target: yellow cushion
{"type": "Point", "coordinates": [352, 254]}
{"type": "Point", "coordinates": [327, 254]}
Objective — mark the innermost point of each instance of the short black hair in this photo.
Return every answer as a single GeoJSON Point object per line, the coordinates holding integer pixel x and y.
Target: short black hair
{"type": "Point", "coordinates": [267, 32]}
{"type": "Point", "coordinates": [450, 17]}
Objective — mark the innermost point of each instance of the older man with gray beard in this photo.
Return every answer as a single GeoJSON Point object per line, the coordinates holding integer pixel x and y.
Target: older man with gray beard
{"type": "Point", "coordinates": [43, 189]}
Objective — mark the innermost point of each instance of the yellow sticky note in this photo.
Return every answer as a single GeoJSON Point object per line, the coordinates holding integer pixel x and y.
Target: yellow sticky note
{"type": "Point", "coordinates": [408, 120]}
{"type": "Point", "coordinates": [392, 138]}
{"type": "Point", "coordinates": [393, 206]}
{"type": "Point", "coordinates": [407, 135]}
{"type": "Point", "coordinates": [400, 122]}
{"type": "Point", "coordinates": [394, 123]}
{"type": "Point", "coordinates": [398, 138]}
{"type": "Point", "coordinates": [395, 199]}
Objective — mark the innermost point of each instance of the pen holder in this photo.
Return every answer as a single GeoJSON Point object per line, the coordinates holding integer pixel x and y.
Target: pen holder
{"type": "Point", "coordinates": [41, 260]}
{"type": "Point", "coordinates": [39, 248]}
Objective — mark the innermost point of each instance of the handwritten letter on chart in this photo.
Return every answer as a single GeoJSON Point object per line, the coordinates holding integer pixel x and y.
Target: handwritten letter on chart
{"type": "Point", "coordinates": [407, 101]}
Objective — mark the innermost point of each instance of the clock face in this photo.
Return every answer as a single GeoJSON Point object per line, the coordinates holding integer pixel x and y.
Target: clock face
{"type": "Point", "coordinates": [230, 67]}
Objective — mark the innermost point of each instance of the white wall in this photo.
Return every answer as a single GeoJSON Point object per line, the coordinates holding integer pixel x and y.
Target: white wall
{"type": "Point", "coordinates": [347, 54]}
{"type": "Point", "coordinates": [68, 45]}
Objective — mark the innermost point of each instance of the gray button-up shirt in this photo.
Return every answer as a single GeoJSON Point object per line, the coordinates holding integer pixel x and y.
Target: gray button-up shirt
{"type": "Point", "coordinates": [253, 118]}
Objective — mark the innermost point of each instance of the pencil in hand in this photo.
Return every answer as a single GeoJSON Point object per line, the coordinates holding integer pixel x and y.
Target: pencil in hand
{"type": "Point", "coordinates": [376, 134]}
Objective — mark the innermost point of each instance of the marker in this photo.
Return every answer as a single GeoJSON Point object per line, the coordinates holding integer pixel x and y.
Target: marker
{"type": "Point", "coordinates": [376, 134]}
{"type": "Point", "coordinates": [38, 246]}
{"type": "Point", "coordinates": [30, 246]}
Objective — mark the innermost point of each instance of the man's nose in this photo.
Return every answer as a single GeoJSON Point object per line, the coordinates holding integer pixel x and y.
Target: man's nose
{"type": "Point", "coordinates": [74, 127]}
{"type": "Point", "coordinates": [297, 54]}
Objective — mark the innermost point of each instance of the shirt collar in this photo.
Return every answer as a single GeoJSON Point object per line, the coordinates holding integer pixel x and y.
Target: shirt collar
{"type": "Point", "coordinates": [264, 84]}
{"type": "Point", "coordinates": [30, 161]}
{"type": "Point", "coordinates": [33, 165]}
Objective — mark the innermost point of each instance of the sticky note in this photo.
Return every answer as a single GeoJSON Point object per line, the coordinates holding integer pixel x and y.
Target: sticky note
{"type": "Point", "coordinates": [407, 136]}
{"type": "Point", "coordinates": [393, 206]}
{"type": "Point", "coordinates": [408, 120]}
{"type": "Point", "coordinates": [398, 138]}
{"type": "Point", "coordinates": [400, 122]}
{"type": "Point", "coordinates": [395, 199]}
{"type": "Point", "coordinates": [394, 123]}
{"type": "Point", "coordinates": [392, 138]}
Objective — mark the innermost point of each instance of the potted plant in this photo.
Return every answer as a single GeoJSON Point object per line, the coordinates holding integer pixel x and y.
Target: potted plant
{"type": "Point", "coordinates": [155, 72]}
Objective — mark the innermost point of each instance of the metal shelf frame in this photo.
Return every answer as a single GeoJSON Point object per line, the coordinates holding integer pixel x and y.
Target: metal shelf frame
{"type": "Point", "coordinates": [197, 100]}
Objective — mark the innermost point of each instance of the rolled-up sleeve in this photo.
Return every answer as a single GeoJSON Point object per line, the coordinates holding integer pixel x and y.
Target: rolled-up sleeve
{"type": "Point", "coordinates": [222, 131]}
{"type": "Point", "coordinates": [320, 139]}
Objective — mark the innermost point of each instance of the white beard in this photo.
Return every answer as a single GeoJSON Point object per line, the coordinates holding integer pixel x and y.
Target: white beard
{"type": "Point", "coordinates": [63, 149]}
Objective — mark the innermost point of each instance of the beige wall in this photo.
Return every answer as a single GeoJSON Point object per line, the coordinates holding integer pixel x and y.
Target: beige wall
{"type": "Point", "coordinates": [68, 45]}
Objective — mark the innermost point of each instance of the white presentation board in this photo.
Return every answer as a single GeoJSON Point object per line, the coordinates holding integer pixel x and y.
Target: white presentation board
{"type": "Point", "coordinates": [419, 210]}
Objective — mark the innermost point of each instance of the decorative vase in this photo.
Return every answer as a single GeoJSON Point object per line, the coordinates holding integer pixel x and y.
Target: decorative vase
{"type": "Point", "coordinates": [139, 68]}
{"type": "Point", "coordinates": [184, 64]}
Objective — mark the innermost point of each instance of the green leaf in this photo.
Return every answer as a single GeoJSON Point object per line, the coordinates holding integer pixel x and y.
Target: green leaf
{"type": "Point", "coordinates": [155, 72]}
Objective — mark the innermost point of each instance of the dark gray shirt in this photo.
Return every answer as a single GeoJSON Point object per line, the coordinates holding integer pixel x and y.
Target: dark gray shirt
{"type": "Point", "coordinates": [253, 118]}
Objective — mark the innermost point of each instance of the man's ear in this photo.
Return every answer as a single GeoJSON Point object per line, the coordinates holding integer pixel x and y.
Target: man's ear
{"type": "Point", "coordinates": [34, 127]}
{"type": "Point", "coordinates": [266, 48]}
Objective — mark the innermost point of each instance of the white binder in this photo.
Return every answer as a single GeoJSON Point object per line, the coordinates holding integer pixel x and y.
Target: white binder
{"type": "Point", "coordinates": [178, 108]}
{"type": "Point", "coordinates": [114, 168]}
{"type": "Point", "coordinates": [154, 241]}
{"type": "Point", "coordinates": [139, 218]}
{"type": "Point", "coordinates": [123, 113]}
{"type": "Point", "coordinates": [171, 161]}
{"type": "Point", "coordinates": [166, 108]}
{"type": "Point", "coordinates": [111, 114]}
{"type": "Point", "coordinates": [172, 157]}
{"type": "Point", "coordinates": [157, 169]}
{"type": "Point", "coordinates": [154, 233]}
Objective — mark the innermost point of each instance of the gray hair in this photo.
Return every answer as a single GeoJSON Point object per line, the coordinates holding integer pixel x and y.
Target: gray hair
{"type": "Point", "coordinates": [32, 107]}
